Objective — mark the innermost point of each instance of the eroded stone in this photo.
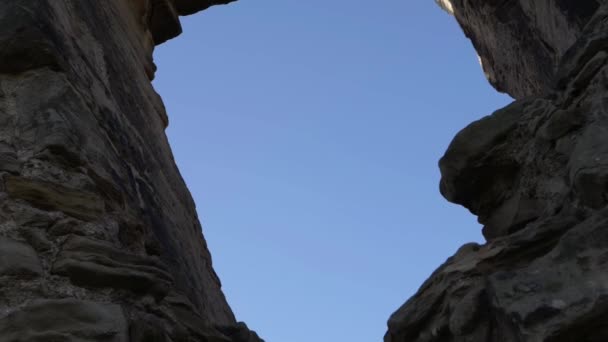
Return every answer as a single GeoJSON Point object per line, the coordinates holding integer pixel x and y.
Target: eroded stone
{"type": "Point", "coordinates": [97, 264]}
{"type": "Point", "coordinates": [541, 274]}
{"type": "Point", "coordinates": [50, 196]}
{"type": "Point", "coordinates": [18, 259]}
{"type": "Point", "coordinates": [68, 320]}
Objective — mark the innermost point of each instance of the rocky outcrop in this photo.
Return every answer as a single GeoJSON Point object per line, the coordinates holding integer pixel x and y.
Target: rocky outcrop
{"type": "Point", "coordinates": [99, 237]}
{"type": "Point", "coordinates": [520, 43]}
{"type": "Point", "coordinates": [536, 175]}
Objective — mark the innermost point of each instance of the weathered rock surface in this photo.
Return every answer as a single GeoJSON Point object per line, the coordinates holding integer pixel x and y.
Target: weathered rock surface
{"type": "Point", "coordinates": [18, 259]}
{"type": "Point", "coordinates": [99, 237]}
{"type": "Point", "coordinates": [520, 42]}
{"type": "Point", "coordinates": [65, 320]}
{"type": "Point", "coordinates": [90, 263]}
{"type": "Point", "coordinates": [536, 175]}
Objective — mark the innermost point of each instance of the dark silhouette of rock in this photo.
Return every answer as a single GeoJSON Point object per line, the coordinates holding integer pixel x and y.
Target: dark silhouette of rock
{"type": "Point", "coordinates": [536, 175]}
{"type": "Point", "coordinates": [520, 42]}
{"type": "Point", "coordinates": [99, 237]}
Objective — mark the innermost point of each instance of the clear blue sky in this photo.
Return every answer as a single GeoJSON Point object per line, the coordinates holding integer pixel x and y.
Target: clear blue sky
{"type": "Point", "coordinates": [309, 134]}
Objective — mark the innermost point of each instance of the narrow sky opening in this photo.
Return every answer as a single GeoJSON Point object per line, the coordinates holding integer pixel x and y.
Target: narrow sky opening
{"type": "Point", "coordinates": [309, 133]}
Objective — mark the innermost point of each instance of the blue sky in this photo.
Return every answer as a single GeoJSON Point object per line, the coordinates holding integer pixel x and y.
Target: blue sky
{"type": "Point", "coordinates": [309, 134]}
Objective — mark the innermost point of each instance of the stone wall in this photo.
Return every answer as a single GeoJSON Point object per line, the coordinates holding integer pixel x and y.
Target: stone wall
{"type": "Point", "coordinates": [536, 175]}
{"type": "Point", "coordinates": [99, 236]}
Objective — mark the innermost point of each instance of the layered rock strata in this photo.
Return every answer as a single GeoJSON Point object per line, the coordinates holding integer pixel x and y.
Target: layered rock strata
{"type": "Point", "coordinates": [99, 237]}
{"type": "Point", "coordinates": [536, 175]}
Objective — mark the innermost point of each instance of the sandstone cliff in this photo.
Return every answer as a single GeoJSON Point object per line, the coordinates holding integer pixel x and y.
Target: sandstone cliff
{"type": "Point", "coordinates": [536, 175]}
{"type": "Point", "coordinates": [99, 237]}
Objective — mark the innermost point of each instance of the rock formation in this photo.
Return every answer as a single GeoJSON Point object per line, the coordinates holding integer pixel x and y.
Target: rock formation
{"type": "Point", "coordinates": [99, 237]}
{"type": "Point", "coordinates": [536, 175]}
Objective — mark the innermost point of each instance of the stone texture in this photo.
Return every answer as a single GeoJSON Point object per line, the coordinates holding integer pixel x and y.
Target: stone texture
{"type": "Point", "coordinates": [55, 197]}
{"type": "Point", "coordinates": [520, 43]}
{"type": "Point", "coordinates": [97, 264]}
{"type": "Point", "coordinates": [536, 175]}
{"type": "Point", "coordinates": [18, 259]}
{"type": "Point", "coordinates": [98, 232]}
{"type": "Point", "coordinates": [67, 320]}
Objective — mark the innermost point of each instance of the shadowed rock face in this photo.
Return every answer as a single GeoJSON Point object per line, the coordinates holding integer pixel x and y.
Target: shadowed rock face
{"type": "Point", "coordinates": [99, 237]}
{"type": "Point", "coordinates": [536, 175]}
{"type": "Point", "coordinates": [520, 43]}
